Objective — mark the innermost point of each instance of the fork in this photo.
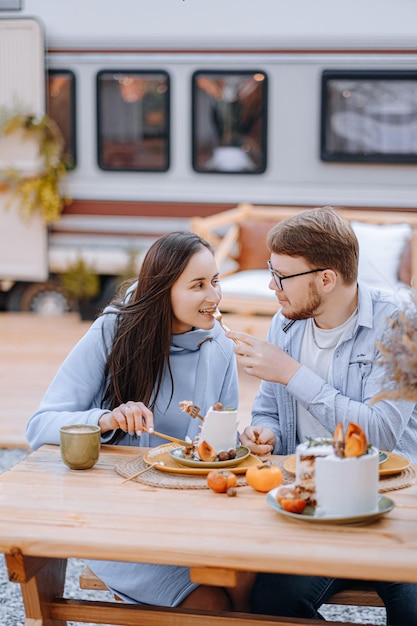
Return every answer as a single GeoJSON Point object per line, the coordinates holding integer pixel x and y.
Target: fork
{"type": "Point", "coordinates": [194, 411]}
{"type": "Point", "coordinates": [219, 317]}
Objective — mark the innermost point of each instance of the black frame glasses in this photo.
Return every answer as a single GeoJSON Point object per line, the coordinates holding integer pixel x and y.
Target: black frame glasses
{"type": "Point", "coordinates": [278, 279]}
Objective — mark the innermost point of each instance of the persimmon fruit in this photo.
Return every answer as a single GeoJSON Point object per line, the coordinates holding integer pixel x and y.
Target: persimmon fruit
{"type": "Point", "coordinates": [289, 499]}
{"type": "Point", "coordinates": [354, 443]}
{"type": "Point", "coordinates": [264, 477]}
{"type": "Point", "coordinates": [206, 452]}
{"type": "Point", "coordinates": [221, 481]}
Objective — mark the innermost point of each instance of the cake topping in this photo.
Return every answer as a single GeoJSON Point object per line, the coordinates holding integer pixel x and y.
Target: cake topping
{"type": "Point", "coordinates": [354, 443]}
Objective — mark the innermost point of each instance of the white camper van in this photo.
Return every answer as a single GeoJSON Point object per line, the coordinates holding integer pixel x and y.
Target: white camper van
{"type": "Point", "coordinates": [172, 109]}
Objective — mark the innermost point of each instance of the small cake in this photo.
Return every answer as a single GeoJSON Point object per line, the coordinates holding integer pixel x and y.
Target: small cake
{"type": "Point", "coordinates": [217, 439]}
{"type": "Point", "coordinates": [339, 477]}
{"type": "Point", "coordinates": [219, 429]}
{"type": "Point", "coordinates": [306, 457]}
{"type": "Point", "coordinates": [347, 486]}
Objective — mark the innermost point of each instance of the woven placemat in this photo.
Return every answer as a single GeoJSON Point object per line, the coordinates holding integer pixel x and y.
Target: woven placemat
{"type": "Point", "coordinates": [406, 478]}
{"type": "Point", "coordinates": [168, 480]}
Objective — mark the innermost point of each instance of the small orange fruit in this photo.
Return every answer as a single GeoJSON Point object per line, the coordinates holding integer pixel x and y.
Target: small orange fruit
{"type": "Point", "coordinates": [264, 477]}
{"type": "Point", "coordinates": [221, 481]}
{"type": "Point", "coordinates": [206, 452]}
{"type": "Point", "coordinates": [290, 500]}
{"type": "Point", "coordinates": [355, 441]}
{"type": "Point", "coordinates": [296, 505]}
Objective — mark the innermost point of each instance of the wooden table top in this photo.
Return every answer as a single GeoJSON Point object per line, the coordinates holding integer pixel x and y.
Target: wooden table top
{"type": "Point", "coordinates": [48, 510]}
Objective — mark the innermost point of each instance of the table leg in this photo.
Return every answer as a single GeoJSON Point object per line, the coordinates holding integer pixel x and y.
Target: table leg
{"type": "Point", "coordinates": [41, 580]}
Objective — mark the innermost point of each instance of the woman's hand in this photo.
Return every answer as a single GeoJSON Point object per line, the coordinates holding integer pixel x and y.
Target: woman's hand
{"type": "Point", "coordinates": [131, 417]}
{"type": "Point", "coordinates": [258, 439]}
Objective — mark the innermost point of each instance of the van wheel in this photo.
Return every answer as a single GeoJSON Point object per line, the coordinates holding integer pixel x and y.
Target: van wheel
{"type": "Point", "coordinates": [40, 298]}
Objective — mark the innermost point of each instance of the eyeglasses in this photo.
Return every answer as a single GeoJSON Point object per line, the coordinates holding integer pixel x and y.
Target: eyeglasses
{"type": "Point", "coordinates": [278, 279]}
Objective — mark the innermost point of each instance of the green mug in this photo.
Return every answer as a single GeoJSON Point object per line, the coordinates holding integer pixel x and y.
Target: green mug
{"type": "Point", "coordinates": [80, 445]}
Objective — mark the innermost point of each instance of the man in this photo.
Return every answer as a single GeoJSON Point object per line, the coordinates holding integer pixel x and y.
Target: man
{"type": "Point", "coordinates": [319, 367]}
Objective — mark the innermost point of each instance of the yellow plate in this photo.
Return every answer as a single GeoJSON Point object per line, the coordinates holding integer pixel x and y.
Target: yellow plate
{"type": "Point", "coordinates": [394, 464]}
{"type": "Point", "coordinates": [161, 454]}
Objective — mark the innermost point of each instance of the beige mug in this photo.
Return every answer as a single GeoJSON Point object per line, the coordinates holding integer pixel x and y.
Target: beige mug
{"type": "Point", "coordinates": [80, 445]}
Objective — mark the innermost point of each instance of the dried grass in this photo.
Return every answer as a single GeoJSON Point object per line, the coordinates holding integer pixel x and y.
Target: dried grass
{"type": "Point", "coordinates": [399, 356]}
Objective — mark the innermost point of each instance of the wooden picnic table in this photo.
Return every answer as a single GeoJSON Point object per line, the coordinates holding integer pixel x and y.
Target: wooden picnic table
{"type": "Point", "coordinates": [49, 513]}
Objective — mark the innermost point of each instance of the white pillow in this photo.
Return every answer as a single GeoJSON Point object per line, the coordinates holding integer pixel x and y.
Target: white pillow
{"type": "Point", "coordinates": [248, 283]}
{"type": "Point", "coordinates": [380, 250]}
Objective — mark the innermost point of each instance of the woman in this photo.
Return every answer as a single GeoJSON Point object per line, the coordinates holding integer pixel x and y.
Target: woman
{"type": "Point", "coordinates": [138, 360]}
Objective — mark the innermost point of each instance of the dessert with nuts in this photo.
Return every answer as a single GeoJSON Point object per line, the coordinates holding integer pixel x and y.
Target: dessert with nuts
{"type": "Point", "coordinates": [217, 440]}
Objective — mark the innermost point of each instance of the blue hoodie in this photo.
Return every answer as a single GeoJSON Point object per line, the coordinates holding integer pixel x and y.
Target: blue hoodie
{"type": "Point", "coordinates": [204, 371]}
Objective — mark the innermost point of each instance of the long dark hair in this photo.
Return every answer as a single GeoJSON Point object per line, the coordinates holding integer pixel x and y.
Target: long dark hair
{"type": "Point", "coordinates": [141, 344]}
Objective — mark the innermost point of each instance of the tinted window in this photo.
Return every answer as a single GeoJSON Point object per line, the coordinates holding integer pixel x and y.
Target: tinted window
{"type": "Point", "coordinates": [133, 120]}
{"type": "Point", "coordinates": [229, 122]}
{"type": "Point", "coordinates": [61, 108]}
{"type": "Point", "coordinates": [369, 116]}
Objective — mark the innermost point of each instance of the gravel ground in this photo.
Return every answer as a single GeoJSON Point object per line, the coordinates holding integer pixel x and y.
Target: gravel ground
{"type": "Point", "coordinates": [11, 607]}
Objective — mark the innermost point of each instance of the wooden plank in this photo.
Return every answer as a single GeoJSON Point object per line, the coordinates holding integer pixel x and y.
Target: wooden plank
{"type": "Point", "coordinates": [48, 583]}
{"type": "Point", "coordinates": [217, 576]}
{"type": "Point", "coordinates": [129, 615]}
{"type": "Point", "coordinates": [21, 568]}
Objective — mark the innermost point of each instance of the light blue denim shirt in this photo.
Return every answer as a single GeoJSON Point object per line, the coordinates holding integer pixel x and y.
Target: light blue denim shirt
{"type": "Point", "coordinates": [357, 378]}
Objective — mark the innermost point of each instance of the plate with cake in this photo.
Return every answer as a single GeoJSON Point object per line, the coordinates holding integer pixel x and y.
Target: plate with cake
{"type": "Point", "coordinates": [215, 446]}
{"type": "Point", "coordinates": [162, 460]}
{"type": "Point", "coordinates": [217, 443]}
{"type": "Point", "coordinates": [335, 480]}
{"type": "Point", "coordinates": [384, 505]}
{"type": "Point", "coordinates": [238, 455]}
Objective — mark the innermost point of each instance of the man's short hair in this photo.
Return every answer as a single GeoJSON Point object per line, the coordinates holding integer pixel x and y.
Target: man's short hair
{"type": "Point", "coordinates": [323, 237]}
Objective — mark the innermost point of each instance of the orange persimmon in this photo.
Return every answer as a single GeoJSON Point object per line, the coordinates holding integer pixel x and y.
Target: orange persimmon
{"type": "Point", "coordinates": [355, 440]}
{"type": "Point", "coordinates": [264, 477]}
{"type": "Point", "coordinates": [290, 500]}
{"type": "Point", "coordinates": [221, 481]}
{"type": "Point", "coordinates": [293, 505]}
{"type": "Point", "coordinates": [206, 452]}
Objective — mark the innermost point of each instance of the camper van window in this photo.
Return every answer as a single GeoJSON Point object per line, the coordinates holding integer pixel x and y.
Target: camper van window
{"type": "Point", "coordinates": [369, 116]}
{"type": "Point", "coordinates": [229, 122]}
{"type": "Point", "coordinates": [133, 120]}
{"type": "Point", "coordinates": [61, 108]}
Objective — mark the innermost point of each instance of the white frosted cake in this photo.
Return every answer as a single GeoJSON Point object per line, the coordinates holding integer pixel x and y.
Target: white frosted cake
{"type": "Point", "coordinates": [347, 486]}
{"type": "Point", "coordinates": [219, 429]}
{"type": "Point", "coordinates": [306, 458]}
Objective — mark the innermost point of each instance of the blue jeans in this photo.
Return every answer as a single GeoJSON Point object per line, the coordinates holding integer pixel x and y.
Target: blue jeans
{"type": "Point", "coordinates": [301, 596]}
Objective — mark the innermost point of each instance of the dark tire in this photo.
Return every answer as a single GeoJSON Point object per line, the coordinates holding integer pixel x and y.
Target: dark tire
{"type": "Point", "coordinates": [40, 298]}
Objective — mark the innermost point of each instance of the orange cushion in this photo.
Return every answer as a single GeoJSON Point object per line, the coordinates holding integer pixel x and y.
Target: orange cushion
{"type": "Point", "coordinates": [253, 253]}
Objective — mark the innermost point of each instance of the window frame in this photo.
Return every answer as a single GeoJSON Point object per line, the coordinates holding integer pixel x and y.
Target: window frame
{"type": "Point", "coordinates": [99, 141]}
{"type": "Point", "coordinates": [73, 111]}
{"type": "Point", "coordinates": [264, 113]}
{"type": "Point", "coordinates": [371, 157]}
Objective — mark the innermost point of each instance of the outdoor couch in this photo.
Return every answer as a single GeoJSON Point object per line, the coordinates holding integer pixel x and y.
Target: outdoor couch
{"type": "Point", "coordinates": [387, 251]}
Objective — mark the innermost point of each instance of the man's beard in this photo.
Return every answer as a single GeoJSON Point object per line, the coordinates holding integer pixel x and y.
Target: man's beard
{"type": "Point", "coordinates": [310, 309]}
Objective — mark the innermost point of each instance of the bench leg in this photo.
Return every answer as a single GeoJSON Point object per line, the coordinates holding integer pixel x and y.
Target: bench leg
{"type": "Point", "coordinates": [41, 580]}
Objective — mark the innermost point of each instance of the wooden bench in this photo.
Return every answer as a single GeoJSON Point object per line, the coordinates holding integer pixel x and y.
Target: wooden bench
{"type": "Point", "coordinates": [361, 594]}
{"type": "Point", "coordinates": [239, 238]}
